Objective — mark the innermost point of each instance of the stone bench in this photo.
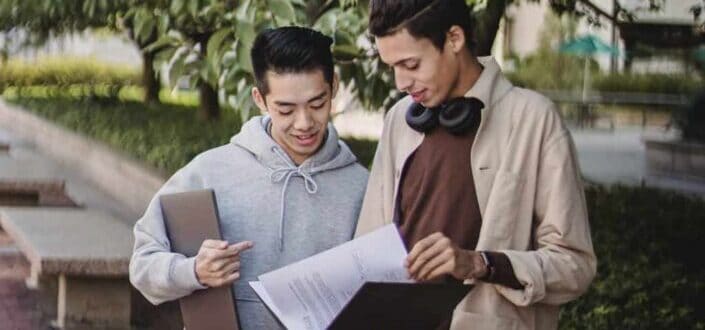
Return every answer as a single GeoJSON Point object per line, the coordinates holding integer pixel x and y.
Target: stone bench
{"type": "Point", "coordinates": [79, 258]}
{"type": "Point", "coordinates": [36, 192]}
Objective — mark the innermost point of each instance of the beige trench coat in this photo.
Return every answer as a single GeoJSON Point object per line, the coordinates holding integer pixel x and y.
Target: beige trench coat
{"type": "Point", "coordinates": [530, 195]}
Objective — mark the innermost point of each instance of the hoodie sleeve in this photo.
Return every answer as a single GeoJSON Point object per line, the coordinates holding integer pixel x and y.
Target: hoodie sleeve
{"type": "Point", "coordinates": [159, 274]}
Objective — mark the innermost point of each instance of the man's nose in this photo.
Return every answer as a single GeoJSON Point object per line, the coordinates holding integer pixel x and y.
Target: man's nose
{"type": "Point", "coordinates": [402, 81]}
{"type": "Point", "coordinates": [303, 120]}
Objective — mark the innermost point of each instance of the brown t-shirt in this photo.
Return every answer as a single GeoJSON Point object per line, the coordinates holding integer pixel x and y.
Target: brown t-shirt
{"type": "Point", "coordinates": [437, 194]}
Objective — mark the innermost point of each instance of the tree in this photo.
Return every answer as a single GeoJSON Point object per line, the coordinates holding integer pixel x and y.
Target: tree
{"type": "Point", "coordinates": [208, 42]}
{"type": "Point", "coordinates": [38, 21]}
{"type": "Point", "coordinates": [144, 25]}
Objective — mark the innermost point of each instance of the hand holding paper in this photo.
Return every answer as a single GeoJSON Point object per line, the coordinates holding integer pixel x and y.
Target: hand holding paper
{"type": "Point", "coordinates": [310, 293]}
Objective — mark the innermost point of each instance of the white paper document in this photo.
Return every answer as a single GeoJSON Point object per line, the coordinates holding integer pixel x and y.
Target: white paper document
{"type": "Point", "coordinates": [309, 294]}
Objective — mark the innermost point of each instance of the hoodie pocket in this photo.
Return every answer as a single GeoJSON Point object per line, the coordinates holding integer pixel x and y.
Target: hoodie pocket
{"type": "Point", "coordinates": [504, 204]}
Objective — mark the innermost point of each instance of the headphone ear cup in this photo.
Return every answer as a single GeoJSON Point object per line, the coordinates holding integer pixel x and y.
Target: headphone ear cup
{"type": "Point", "coordinates": [420, 118]}
{"type": "Point", "coordinates": [461, 115]}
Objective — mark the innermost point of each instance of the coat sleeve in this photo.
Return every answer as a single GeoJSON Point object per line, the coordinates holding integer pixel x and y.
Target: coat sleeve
{"type": "Point", "coordinates": [563, 264]}
{"type": "Point", "coordinates": [159, 274]}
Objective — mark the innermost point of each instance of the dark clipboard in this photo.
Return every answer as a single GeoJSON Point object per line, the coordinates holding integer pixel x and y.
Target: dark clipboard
{"type": "Point", "coordinates": [400, 306]}
{"type": "Point", "coordinates": [190, 218]}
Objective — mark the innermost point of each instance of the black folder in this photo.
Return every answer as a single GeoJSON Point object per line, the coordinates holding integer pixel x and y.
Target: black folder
{"type": "Point", "coordinates": [400, 306]}
{"type": "Point", "coordinates": [190, 218]}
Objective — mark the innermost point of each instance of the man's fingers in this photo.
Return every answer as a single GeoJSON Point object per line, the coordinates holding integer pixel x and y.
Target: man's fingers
{"type": "Point", "coordinates": [230, 251]}
{"type": "Point", "coordinates": [429, 253]}
{"type": "Point", "coordinates": [219, 264]}
{"type": "Point", "coordinates": [230, 269]}
{"type": "Point", "coordinates": [444, 257]}
{"type": "Point", "coordinates": [445, 268]}
{"type": "Point", "coordinates": [228, 280]}
{"type": "Point", "coordinates": [421, 246]}
{"type": "Point", "coordinates": [240, 246]}
{"type": "Point", "coordinates": [214, 244]}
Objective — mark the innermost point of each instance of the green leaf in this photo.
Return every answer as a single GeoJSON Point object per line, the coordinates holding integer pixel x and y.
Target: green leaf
{"type": "Point", "coordinates": [346, 52]}
{"type": "Point", "coordinates": [177, 6]}
{"type": "Point", "coordinates": [229, 58]}
{"type": "Point", "coordinates": [282, 9]}
{"type": "Point", "coordinates": [193, 7]}
{"type": "Point", "coordinates": [327, 22]}
{"type": "Point", "coordinates": [176, 66]}
{"type": "Point", "coordinates": [163, 24]}
{"type": "Point", "coordinates": [343, 38]}
{"type": "Point", "coordinates": [230, 80]}
{"type": "Point", "coordinates": [215, 43]}
{"type": "Point", "coordinates": [301, 3]}
{"type": "Point", "coordinates": [245, 32]}
{"type": "Point", "coordinates": [163, 56]}
{"type": "Point", "coordinates": [162, 42]}
{"type": "Point", "coordinates": [244, 11]}
{"type": "Point", "coordinates": [243, 55]}
{"type": "Point", "coordinates": [147, 30]}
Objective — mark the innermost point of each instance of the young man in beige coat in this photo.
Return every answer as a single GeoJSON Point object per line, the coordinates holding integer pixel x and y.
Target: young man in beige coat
{"type": "Point", "coordinates": [480, 176]}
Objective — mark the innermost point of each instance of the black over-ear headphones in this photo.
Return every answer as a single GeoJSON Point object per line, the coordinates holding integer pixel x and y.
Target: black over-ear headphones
{"type": "Point", "coordinates": [458, 115]}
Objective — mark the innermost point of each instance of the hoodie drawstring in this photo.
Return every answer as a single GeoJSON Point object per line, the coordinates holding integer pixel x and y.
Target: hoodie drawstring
{"type": "Point", "coordinates": [285, 173]}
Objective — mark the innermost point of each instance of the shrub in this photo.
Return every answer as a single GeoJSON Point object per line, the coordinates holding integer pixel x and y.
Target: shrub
{"type": "Point", "coordinates": [647, 83]}
{"type": "Point", "coordinates": [164, 136]}
{"type": "Point", "coordinates": [649, 247]}
{"type": "Point", "coordinates": [691, 120]}
{"type": "Point", "coordinates": [62, 73]}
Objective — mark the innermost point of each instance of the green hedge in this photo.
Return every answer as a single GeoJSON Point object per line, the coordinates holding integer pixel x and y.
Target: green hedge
{"type": "Point", "coordinates": [549, 71]}
{"type": "Point", "coordinates": [648, 83]}
{"type": "Point", "coordinates": [165, 136]}
{"type": "Point", "coordinates": [66, 72]}
{"type": "Point", "coordinates": [555, 71]}
{"type": "Point", "coordinates": [651, 274]}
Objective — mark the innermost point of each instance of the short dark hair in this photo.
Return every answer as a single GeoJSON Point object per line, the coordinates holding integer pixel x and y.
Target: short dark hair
{"type": "Point", "coordinates": [291, 49]}
{"type": "Point", "coordinates": [422, 18]}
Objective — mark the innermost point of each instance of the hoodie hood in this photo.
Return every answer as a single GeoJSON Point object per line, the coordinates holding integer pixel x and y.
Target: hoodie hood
{"type": "Point", "coordinates": [254, 138]}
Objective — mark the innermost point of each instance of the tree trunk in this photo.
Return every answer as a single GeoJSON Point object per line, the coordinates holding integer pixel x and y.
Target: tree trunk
{"type": "Point", "coordinates": [487, 24]}
{"type": "Point", "coordinates": [149, 79]}
{"type": "Point", "coordinates": [209, 107]}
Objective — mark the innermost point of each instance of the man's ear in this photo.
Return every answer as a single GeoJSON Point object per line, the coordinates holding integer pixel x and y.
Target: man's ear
{"type": "Point", "coordinates": [456, 38]}
{"type": "Point", "coordinates": [259, 100]}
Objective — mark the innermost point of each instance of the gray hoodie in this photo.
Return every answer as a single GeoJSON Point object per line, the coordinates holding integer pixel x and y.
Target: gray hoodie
{"type": "Point", "coordinates": [289, 213]}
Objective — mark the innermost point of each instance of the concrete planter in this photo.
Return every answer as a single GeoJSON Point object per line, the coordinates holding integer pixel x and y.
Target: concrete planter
{"type": "Point", "coordinates": [674, 157]}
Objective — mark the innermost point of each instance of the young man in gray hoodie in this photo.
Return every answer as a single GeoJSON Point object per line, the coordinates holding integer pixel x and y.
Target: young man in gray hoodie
{"type": "Point", "coordinates": [286, 186]}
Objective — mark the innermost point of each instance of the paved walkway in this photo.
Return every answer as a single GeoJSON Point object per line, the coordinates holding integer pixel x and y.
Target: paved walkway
{"type": "Point", "coordinates": [18, 305]}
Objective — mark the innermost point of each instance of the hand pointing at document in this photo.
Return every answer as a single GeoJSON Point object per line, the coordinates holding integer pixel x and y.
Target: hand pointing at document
{"type": "Point", "coordinates": [218, 264]}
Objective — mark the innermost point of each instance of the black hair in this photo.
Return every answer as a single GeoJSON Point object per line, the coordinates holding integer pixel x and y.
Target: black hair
{"type": "Point", "coordinates": [422, 18]}
{"type": "Point", "coordinates": [291, 49]}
